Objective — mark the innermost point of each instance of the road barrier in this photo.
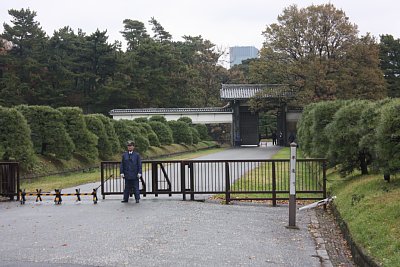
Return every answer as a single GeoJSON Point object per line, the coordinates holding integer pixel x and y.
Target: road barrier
{"type": "Point", "coordinates": [57, 195]}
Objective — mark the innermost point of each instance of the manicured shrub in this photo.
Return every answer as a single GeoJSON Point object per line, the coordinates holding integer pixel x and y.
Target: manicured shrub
{"type": "Point", "coordinates": [388, 137]}
{"type": "Point", "coordinates": [85, 141]}
{"type": "Point", "coordinates": [195, 135]}
{"type": "Point", "coordinates": [186, 119]}
{"type": "Point", "coordinates": [123, 132]}
{"type": "Point", "coordinates": [111, 134]}
{"type": "Point", "coordinates": [181, 132]}
{"type": "Point", "coordinates": [15, 138]}
{"type": "Point", "coordinates": [141, 120]}
{"type": "Point", "coordinates": [344, 137]}
{"type": "Point", "coordinates": [49, 135]}
{"type": "Point", "coordinates": [163, 132]}
{"type": "Point", "coordinates": [304, 125]}
{"type": "Point", "coordinates": [322, 115]}
{"type": "Point", "coordinates": [96, 126]}
{"type": "Point", "coordinates": [158, 118]}
{"type": "Point", "coordinates": [202, 130]}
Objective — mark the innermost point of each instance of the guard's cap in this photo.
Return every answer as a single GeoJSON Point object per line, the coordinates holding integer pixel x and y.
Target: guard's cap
{"type": "Point", "coordinates": [130, 143]}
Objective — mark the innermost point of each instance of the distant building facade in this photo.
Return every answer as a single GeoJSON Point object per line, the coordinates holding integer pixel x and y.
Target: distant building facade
{"type": "Point", "coordinates": [239, 53]}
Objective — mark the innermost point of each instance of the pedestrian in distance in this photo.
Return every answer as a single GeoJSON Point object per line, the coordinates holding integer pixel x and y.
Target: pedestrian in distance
{"type": "Point", "coordinates": [131, 172]}
{"type": "Point", "coordinates": [274, 137]}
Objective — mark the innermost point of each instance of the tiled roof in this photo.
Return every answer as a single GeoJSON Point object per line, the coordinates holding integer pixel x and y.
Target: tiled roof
{"type": "Point", "coordinates": [246, 91]}
{"type": "Point", "coordinates": [172, 110]}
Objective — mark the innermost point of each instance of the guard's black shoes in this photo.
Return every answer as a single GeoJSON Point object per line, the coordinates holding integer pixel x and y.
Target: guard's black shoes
{"type": "Point", "coordinates": [137, 200]}
{"type": "Point", "coordinates": [124, 201]}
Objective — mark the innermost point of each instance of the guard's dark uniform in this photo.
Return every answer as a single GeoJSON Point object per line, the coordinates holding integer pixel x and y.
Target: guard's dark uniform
{"type": "Point", "coordinates": [131, 166]}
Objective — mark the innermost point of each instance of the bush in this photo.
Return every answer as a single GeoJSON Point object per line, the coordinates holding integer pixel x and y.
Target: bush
{"type": "Point", "coordinates": [181, 132]}
{"type": "Point", "coordinates": [322, 115]}
{"type": "Point", "coordinates": [203, 131]}
{"type": "Point", "coordinates": [344, 136]}
{"type": "Point", "coordinates": [49, 135]}
{"type": "Point", "coordinates": [96, 126]}
{"type": "Point", "coordinates": [158, 118]}
{"type": "Point", "coordinates": [162, 131]}
{"type": "Point", "coordinates": [304, 125]}
{"type": "Point", "coordinates": [141, 120]}
{"type": "Point", "coordinates": [388, 137]}
{"type": "Point", "coordinates": [15, 138]}
{"type": "Point", "coordinates": [367, 125]}
{"type": "Point", "coordinates": [195, 135]}
{"type": "Point", "coordinates": [186, 119]}
{"type": "Point", "coordinates": [123, 132]}
{"type": "Point", "coordinates": [85, 141]}
{"type": "Point", "coordinates": [153, 139]}
{"type": "Point", "coordinates": [111, 134]}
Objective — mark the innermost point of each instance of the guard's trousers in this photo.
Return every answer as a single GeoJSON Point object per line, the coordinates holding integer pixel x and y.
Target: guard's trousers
{"type": "Point", "coordinates": [129, 185]}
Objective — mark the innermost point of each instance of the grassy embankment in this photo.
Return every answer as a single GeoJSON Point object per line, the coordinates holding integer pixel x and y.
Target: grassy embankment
{"type": "Point", "coordinates": [368, 205]}
{"type": "Point", "coordinates": [50, 182]}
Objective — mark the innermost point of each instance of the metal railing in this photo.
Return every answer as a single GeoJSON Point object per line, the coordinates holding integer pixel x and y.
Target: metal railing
{"type": "Point", "coordinates": [9, 179]}
{"type": "Point", "coordinates": [232, 179]}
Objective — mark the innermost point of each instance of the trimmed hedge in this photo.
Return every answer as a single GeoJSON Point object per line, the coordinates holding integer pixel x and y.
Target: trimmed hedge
{"type": "Point", "coordinates": [163, 132]}
{"type": "Point", "coordinates": [15, 138]}
{"type": "Point", "coordinates": [181, 132]}
{"type": "Point", "coordinates": [85, 141]}
{"type": "Point", "coordinates": [49, 135]}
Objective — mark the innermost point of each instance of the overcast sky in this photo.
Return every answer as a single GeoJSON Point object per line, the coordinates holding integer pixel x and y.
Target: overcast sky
{"type": "Point", "coordinates": [223, 22]}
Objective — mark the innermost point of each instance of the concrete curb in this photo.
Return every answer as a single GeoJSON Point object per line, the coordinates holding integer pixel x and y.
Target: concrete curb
{"type": "Point", "coordinates": [322, 254]}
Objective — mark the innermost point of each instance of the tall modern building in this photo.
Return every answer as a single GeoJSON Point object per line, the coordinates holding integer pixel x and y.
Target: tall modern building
{"type": "Point", "coordinates": [239, 53]}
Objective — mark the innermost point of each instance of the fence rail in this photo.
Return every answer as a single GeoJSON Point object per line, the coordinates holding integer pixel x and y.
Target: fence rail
{"type": "Point", "coordinates": [234, 179]}
{"type": "Point", "coordinates": [9, 179]}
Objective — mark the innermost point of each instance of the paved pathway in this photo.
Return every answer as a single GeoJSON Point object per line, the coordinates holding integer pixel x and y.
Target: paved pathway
{"type": "Point", "coordinates": [156, 232]}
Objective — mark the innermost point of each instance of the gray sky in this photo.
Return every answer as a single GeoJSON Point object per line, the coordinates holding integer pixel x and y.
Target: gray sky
{"type": "Point", "coordinates": [223, 22]}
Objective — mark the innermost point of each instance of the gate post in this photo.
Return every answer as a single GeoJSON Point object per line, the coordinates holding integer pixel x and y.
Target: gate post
{"type": "Point", "coordinates": [227, 184]}
{"type": "Point", "coordinates": [191, 178]}
{"type": "Point", "coordinates": [292, 195]}
{"type": "Point", "coordinates": [183, 180]}
{"type": "Point", "coordinates": [273, 184]}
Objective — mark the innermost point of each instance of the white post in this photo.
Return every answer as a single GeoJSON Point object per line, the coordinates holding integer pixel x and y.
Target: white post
{"type": "Point", "coordinates": [292, 192]}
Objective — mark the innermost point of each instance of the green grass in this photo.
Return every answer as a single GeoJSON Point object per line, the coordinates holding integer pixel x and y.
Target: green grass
{"type": "Point", "coordinates": [260, 179]}
{"type": "Point", "coordinates": [371, 208]}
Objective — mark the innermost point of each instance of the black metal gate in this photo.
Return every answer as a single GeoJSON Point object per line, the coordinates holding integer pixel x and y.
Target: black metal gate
{"type": "Point", "coordinates": [248, 127]}
{"type": "Point", "coordinates": [9, 179]}
{"type": "Point", "coordinates": [232, 179]}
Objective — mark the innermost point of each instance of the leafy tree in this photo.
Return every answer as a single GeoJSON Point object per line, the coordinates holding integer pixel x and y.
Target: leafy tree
{"type": "Point", "coordinates": [134, 33]}
{"type": "Point", "coordinates": [367, 125]}
{"type": "Point", "coordinates": [15, 138]}
{"type": "Point", "coordinates": [26, 77]}
{"type": "Point", "coordinates": [48, 132]}
{"type": "Point", "coordinates": [85, 141]}
{"type": "Point", "coordinates": [96, 126]}
{"type": "Point", "coordinates": [390, 63]}
{"type": "Point", "coordinates": [315, 50]}
{"type": "Point", "coordinates": [344, 136]}
{"type": "Point", "coordinates": [388, 136]}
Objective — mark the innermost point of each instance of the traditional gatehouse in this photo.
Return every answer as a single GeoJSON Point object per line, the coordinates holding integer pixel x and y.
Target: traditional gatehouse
{"type": "Point", "coordinates": [243, 121]}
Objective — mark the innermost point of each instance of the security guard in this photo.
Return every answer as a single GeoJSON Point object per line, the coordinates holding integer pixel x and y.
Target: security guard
{"type": "Point", "coordinates": [131, 171]}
